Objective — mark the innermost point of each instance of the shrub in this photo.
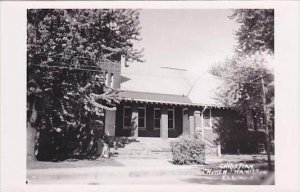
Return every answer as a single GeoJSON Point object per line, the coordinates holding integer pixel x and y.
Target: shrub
{"type": "Point", "coordinates": [188, 150]}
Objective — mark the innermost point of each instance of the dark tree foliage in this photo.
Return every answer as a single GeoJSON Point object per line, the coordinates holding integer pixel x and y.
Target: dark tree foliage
{"type": "Point", "coordinates": [250, 71]}
{"type": "Point", "coordinates": [66, 95]}
{"type": "Point", "coordinates": [232, 135]}
{"type": "Point", "coordinates": [242, 89]}
{"type": "Point", "coordinates": [81, 36]}
{"type": "Point", "coordinates": [256, 32]}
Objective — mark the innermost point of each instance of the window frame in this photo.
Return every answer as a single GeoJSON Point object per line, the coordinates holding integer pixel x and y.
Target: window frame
{"type": "Point", "coordinates": [261, 126]}
{"type": "Point", "coordinates": [156, 109]}
{"type": "Point", "coordinates": [261, 146]}
{"type": "Point", "coordinates": [173, 110]}
{"type": "Point", "coordinates": [106, 78]}
{"type": "Point", "coordinates": [111, 80]}
{"type": "Point", "coordinates": [124, 126]}
{"type": "Point", "coordinates": [250, 121]}
{"type": "Point", "coordinates": [209, 117]}
{"type": "Point", "coordinates": [144, 108]}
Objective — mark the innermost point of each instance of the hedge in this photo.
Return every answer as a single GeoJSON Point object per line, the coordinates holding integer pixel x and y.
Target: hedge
{"type": "Point", "coordinates": [188, 150]}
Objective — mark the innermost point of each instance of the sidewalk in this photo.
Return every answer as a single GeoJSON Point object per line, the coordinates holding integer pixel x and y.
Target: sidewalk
{"type": "Point", "coordinates": [125, 169]}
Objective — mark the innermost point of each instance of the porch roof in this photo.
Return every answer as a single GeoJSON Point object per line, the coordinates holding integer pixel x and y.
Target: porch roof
{"type": "Point", "coordinates": [159, 98]}
{"type": "Point", "coordinates": [147, 97]}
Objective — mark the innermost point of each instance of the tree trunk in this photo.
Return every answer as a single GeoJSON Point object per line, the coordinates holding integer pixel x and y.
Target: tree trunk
{"type": "Point", "coordinates": [31, 135]}
{"type": "Point", "coordinates": [31, 132]}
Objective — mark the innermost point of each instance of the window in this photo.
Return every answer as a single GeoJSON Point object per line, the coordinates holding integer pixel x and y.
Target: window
{"type": "Point", "coordinates": [106, 78]}
{"type": "Point", "coordinates": [171, 122]}
{"type": "Point", "coordinates": [112, 80]}
{"type": "Point", "coordinates": [261, 148]}
{"type": "Point", "coordinates": [157, 116]}
{"type": "Point", "coordinates": [127, 117]}
{"type": "Point", "coordinates": [207, 118]}
{"type": "Point", "coordinates": [261, 124]}
{"type": "Point", "coordinates": [250, 121]}
{"type": "Point", "coordinates": [142, 117]}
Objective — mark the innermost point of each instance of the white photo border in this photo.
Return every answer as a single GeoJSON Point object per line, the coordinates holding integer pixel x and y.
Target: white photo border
{"type": "Point", "coordinates": [13, 93]}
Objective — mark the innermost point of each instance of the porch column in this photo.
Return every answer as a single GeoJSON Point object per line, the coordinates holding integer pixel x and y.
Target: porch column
{"type": "Point", "coordinates": [198, 127]}
{"type": "Point", "coordinates": [185, 122]}
{"type": "Point", "coordinates": [219, 150]}
{"type": "Point", "coordinates": [110, 121]}
{"type": "Point", "coordinates": [135, 120]}
{"type": "Point", "coordinates": [107, 79]}
{"type": "Point", "coordinates": [164, 123]}
{"type": "Point", "coordinates": [191, 122]}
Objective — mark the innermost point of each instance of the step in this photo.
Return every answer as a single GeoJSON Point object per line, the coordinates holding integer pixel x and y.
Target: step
{"type": "Point", "coordinates": [148, 147]}
{"type": "Point", "coordinates": [145, 148]}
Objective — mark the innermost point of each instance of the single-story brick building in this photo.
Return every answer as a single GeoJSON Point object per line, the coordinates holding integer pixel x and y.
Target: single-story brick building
{"type": "Point", "coordinates": [146, 112]}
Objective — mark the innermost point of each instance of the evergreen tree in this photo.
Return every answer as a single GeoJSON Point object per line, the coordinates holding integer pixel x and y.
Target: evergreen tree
{"type": "Point", "coordinates": [66, 95]}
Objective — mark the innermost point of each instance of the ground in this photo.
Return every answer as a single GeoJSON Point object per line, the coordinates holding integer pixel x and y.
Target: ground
{"type": "Point", "coordinates": [151, 171]}
{"type": "Point", "coordinates": [149, 161]}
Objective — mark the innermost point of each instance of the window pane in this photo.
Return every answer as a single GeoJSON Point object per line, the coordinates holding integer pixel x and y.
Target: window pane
{"type": "Point", "coordinates": [206, 123]}
{"type": "Point", "coordinates": [141, 122]}
{"type": "Point", "coordinates": [261, 148]}
{"type": "Point", "coordinates": [141, 112]}
{"type": "Point", "coordinates": [157, 114]}
{"type": "Point", "coordinates": [112, 80]}
{"type": "Point", "coordinates": [170, 114]}
{"type": "Point", "coordinates": [127, 121]}
{"type": "Point", "coordinates": [157, 123]}
{"type": "Point", "coordinates": [206, 118]}
{"type": "Point", "coordinates": [206, 114]}
{"type": "Point", "coordinates": [250, 122]}
{"type": "Point", "coordinates": [170, 124]}
{"type": "Point", "coordinates": [106, 78]}
{"type": "Point", "coordinates": [127, 112]}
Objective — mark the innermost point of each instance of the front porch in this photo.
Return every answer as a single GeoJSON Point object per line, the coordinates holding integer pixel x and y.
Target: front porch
{"type": "Point", "coordinates": [139, 119]}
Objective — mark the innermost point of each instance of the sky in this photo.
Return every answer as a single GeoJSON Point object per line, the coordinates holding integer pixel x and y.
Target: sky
{"type": "Point", "coordinates": [190, 39]}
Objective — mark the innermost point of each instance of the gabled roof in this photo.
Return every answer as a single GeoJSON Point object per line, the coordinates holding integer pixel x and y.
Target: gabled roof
{"type": "Point", "coordinates": [166, 85]}
{"type": "Point", "coordinates": [156, 80]}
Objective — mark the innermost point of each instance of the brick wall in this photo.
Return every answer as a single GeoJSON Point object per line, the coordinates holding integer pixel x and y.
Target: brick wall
{"type": "Point", "coordinates": [149, 130]}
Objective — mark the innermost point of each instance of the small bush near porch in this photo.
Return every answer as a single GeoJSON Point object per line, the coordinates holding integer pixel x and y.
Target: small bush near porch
{"type": "Point", "coordinates": [188, 150]}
